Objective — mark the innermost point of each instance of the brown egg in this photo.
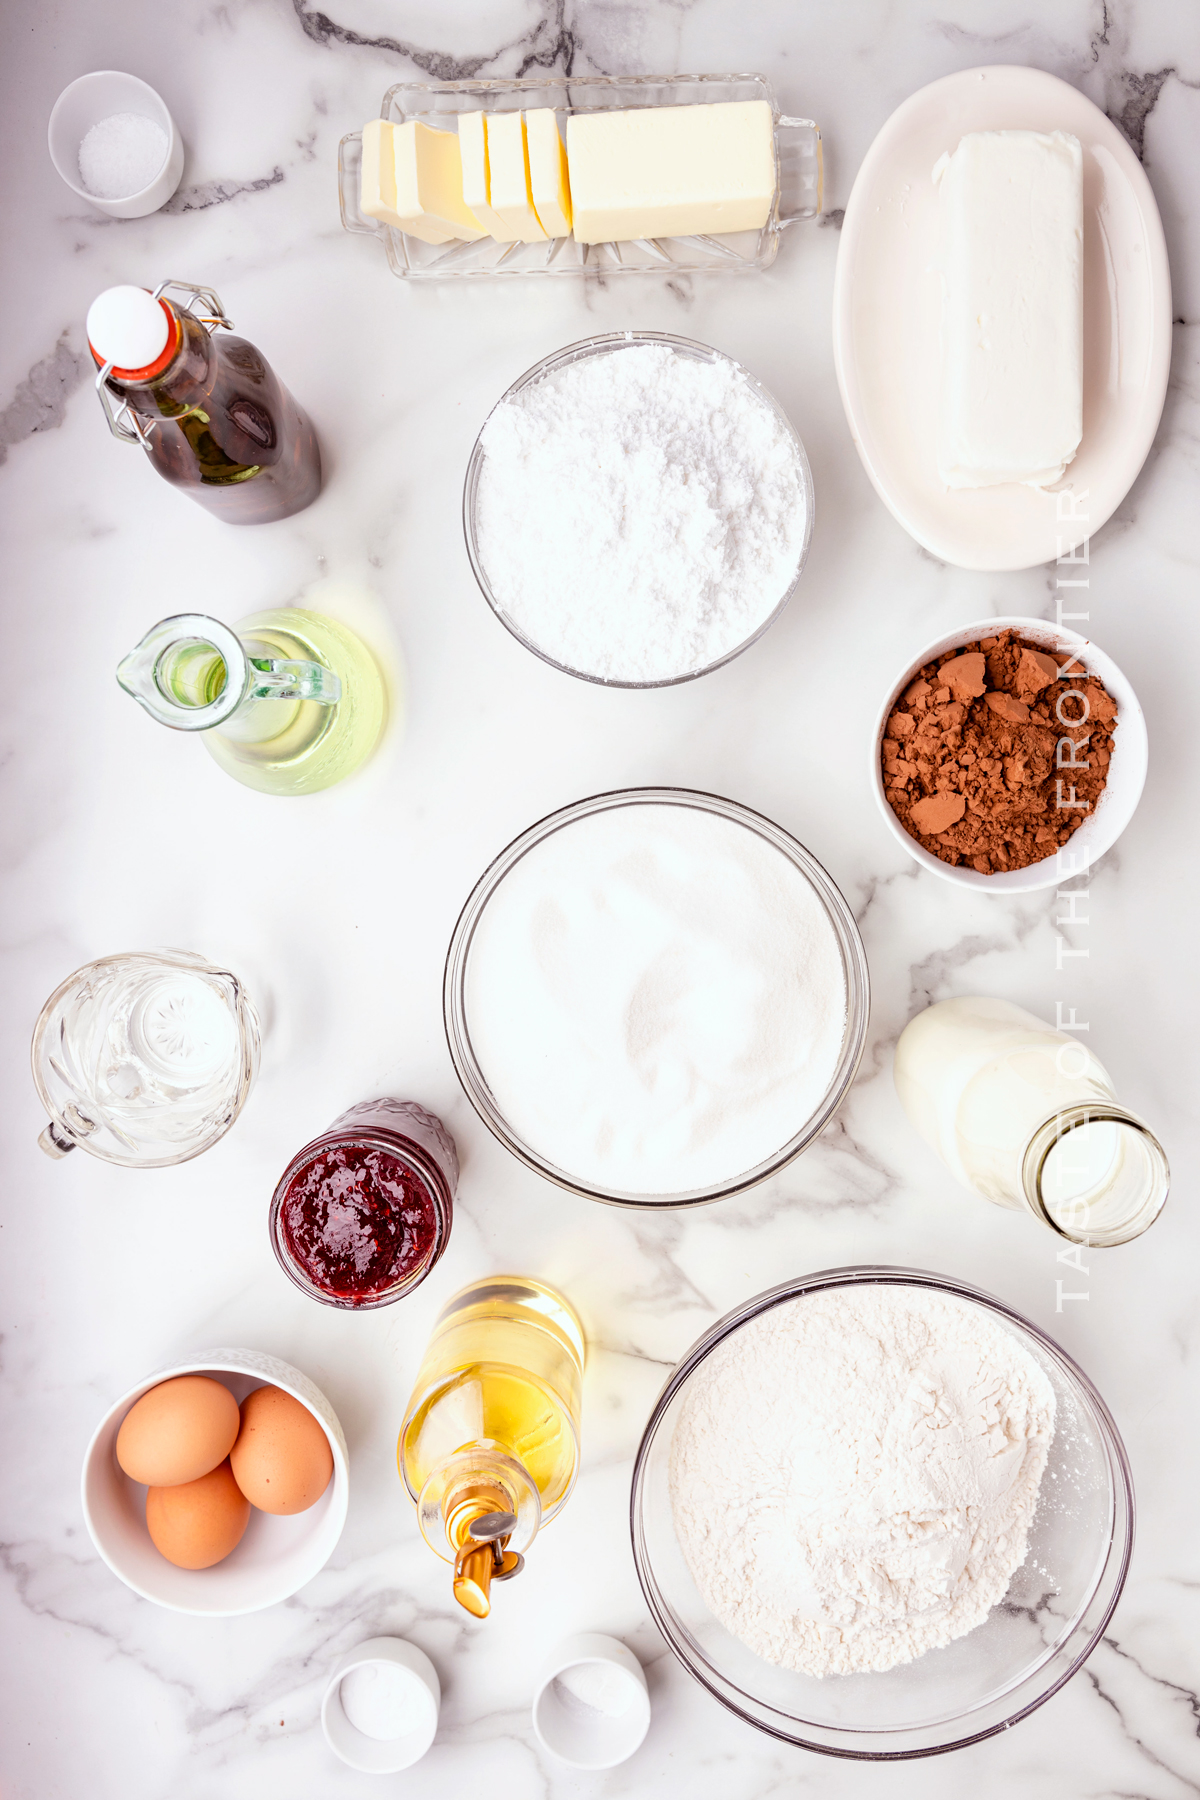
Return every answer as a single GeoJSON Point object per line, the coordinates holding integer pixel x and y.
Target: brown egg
{"type": "Point", "coordinates": [197, 1523]}
{"type": "Point", "coordinates": [178, 1431]}
{"type": "Point", "coordinates": [281, 1461]}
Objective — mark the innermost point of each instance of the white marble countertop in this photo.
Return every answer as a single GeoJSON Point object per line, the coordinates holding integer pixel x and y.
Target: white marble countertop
{"type": "Point", "coordinates": [120, 836]}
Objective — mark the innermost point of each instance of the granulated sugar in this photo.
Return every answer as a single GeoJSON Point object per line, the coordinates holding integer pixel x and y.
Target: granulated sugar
{"type": "Point", "coordinates": [656, 998]}
{"type": "Point", "coordinates": [854, 1474]}
{"type": "Point", "coordinates": [640, 513]}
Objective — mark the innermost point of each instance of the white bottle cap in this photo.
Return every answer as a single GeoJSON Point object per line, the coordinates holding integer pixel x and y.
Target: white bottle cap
{"type": "Point", "coordinates": [127, 327]}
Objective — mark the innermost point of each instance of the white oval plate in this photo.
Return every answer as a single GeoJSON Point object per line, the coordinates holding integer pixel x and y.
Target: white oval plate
{"type": "Point", "coordinates": [887, 305]}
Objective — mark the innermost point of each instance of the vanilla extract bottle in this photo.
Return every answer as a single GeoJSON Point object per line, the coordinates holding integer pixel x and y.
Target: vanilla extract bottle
{"type": "Point", "coordinates": [208, 410]}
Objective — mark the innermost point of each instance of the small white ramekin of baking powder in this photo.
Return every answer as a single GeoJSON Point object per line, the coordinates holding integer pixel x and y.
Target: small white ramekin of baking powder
{"type": "Point", "coordinates": [592, 1706]}
{"type": "Point", "coordinates": [401, 1684]}
{"type": "Point", "coordinates": [1122, 791]}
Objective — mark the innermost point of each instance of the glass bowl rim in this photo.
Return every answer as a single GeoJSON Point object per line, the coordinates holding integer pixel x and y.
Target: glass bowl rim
{"type": "Point", "coordinates": [603, 344]}
{"type": "Point", "coordinates": [882, 1274]}
{"type": "Point", "coordinates": [837, 911]}
{"type": "Point", "coordinates": [414, 1158]}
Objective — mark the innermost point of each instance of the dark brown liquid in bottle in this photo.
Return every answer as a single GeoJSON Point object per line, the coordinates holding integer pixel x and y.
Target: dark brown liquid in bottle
{"type": "Point", "coordinates": [226, 430]}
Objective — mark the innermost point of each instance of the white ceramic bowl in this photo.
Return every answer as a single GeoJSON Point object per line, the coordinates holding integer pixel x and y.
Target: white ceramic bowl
{"type": "Point", "coordinates": [276, 1556]}
{"type": "Point", "coordinates": [1126, 770]}
{"type": "Point", "coordinates": [97, 96]}
{"type": "Point", "coordinates": [585, 1737]}
{"type": "Point", "coordinates": [383, 1756]}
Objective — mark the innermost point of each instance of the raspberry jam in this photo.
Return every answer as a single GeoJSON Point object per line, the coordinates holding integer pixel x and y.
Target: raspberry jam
{"type": "Point", "coordinates": [363, 1212]}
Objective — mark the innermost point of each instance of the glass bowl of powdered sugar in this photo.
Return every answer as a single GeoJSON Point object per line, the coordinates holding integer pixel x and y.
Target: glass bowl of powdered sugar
{"type": "Point", "coordinates": [656, 997]}
{"type": "Point", "coordinates": [637, 509]}
{"type": "Point", "coordinates": [879, 1514]}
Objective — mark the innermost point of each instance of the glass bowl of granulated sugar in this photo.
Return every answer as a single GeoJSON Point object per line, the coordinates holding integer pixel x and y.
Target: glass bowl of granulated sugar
{"type": "Point", "coordinates": [879, 1514]}
{"type": "Point", "coordinates": [656, 997]}
{"type": "Point", "coordinates": [637, 509]}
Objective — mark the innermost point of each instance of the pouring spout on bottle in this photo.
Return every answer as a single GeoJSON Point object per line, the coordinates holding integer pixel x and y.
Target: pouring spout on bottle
{"type": "Point", "coordinates": [192, 673]}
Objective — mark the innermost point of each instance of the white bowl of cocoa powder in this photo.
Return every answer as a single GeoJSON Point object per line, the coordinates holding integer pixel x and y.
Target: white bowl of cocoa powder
{"type": "Point", "coordinates": [1009, 756]}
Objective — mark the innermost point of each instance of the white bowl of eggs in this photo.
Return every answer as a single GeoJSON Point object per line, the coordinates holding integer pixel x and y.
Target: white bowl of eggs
{"type": "Point", "coordinates": [218, 1485]}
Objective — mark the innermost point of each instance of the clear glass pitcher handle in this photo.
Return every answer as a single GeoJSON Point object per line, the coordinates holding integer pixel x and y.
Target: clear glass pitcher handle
{"type": "Point", "coordinates": [193, 673]}
{"type": "Point", "coordinates": [274, 678]}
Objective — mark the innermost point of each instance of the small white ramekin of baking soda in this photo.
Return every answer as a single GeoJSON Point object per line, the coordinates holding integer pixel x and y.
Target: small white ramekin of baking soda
{"type": "Point", "coordinates": [656, 997]}
{"type": "Point", "coordinates": [637, 509]}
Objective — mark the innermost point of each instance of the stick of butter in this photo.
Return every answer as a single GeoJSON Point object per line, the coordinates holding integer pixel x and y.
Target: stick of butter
{"type": "Point", "coordinates": [671, 171]}
{"type": "Point", "coordinates": [477, 186]}
{"type": "Point", "coordinates": [508, 173]}
{"type": "Point", "coordinates": [1012, 395]}
{"type": "Point", "coordinates": [548, 178]}
{"type": "Point", "coordinates": [412, 179]}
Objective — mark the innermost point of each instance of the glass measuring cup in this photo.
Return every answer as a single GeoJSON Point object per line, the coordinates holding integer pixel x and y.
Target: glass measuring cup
{"type": "Point", "coordinates": [144, 1059]}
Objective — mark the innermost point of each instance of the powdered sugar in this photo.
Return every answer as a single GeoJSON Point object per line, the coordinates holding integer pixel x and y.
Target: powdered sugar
{"type": "Point", "coordinates": [640, 513]}
{"type": "Point", "coordinates": [854, 1474]}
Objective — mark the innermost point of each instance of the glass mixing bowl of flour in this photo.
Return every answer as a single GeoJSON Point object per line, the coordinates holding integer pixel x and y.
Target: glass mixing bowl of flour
{"type": "Point", "coordinates": [1057, 1604]}
{"type": "Point", "coordinates": [652, 534]}
{"type": "Point", "coordinates": [656, 997]}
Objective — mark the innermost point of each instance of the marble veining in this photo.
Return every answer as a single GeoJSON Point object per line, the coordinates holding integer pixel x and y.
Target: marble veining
{"type": "Point", "coordinates": [338, 912]}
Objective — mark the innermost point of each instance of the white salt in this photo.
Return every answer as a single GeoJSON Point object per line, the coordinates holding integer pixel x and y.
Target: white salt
{"type": "Point", "coordinates": [121, 155]}
{"type": "Point", "coordinates": [656, 999]}
{"type": "Point", "coordinates": [383, 1701]}
{"type": "Point", "coordinates": [640, 513]}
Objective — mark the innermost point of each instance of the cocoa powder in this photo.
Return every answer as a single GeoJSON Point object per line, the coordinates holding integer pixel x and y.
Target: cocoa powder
{"type": "Point", "coordinates": [994, 754]}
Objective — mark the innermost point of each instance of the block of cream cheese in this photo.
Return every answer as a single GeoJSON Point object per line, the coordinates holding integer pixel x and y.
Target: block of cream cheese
{"type": "Point", "coordinates": [548, 178]}
{"type": "Point", "coordinates": [508, 175]}
{"type": "Point", "coordinates": [472, 143]}
{"type": "Point", "coordinates": [671, 171]}
{"type": "Point", "coordinates": [1012, 395]}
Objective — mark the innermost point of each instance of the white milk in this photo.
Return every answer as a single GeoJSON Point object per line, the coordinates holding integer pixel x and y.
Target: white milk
{"type": "Point", "coordinates": [981, 1078]}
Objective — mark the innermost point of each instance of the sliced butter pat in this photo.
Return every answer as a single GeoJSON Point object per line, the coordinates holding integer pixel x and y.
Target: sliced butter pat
{"type": "Point", "coordinates": [671, 171]}
{"type": "Point", "coordinates": [377, 182]}
{"type": "Point", "coordinates": [472, 143]}
{"type": "Point", "coordinates": [508, 176]}
{"type": "Point", "coordinates": [1012, 395]}
{"type": "Point", "coordinates": [548, 178]}
{"type": "Point", "coordinates": [429, 194]}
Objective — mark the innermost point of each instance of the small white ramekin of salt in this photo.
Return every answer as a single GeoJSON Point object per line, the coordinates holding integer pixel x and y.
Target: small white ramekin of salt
{"type": "Point", "coordinates": [381, 1705]}
{"type": "Point", "coordinates": [592, 1707]}
{"type": "Point", "coordinates": [115, 144]}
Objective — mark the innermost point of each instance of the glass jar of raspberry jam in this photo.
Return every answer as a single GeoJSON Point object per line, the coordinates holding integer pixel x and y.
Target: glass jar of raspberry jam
{"type": "Point", "coordinates": [363, 1212]}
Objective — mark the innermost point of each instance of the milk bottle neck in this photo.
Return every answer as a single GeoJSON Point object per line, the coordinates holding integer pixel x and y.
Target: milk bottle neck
{"type": "Point", "coordinates": [1095, 1173]}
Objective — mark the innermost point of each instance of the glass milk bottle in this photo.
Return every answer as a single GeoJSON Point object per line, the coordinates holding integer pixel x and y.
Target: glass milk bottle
{"type": "Point", "coordinates": [210, 412]}
{"type": "Point", "coordinates": [489, 1447]}
{"type": "Point", "coordinates": [289, 702]}
{"type": "Point", "coordinates": [1028, 1117]}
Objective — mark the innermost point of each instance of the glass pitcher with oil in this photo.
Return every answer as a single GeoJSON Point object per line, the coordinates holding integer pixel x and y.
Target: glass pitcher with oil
{"type": "Point", "coordinates": [489, 1448]}
{"type": "Point", "coordinates": [288, 702]}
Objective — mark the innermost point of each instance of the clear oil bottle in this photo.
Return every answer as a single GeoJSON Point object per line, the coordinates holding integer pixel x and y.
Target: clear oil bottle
{"type": "Point", "coordinates": [489, 1448]}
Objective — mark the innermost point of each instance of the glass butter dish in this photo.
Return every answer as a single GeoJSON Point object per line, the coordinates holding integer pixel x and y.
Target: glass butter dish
{"type": "Point", "coordinates": [798, 174]}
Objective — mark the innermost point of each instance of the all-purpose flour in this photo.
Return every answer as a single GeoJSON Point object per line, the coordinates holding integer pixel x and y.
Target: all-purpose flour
{"type": "Point", "coordinates": [640, 513]}
{"type": "Point", "coordinates": [854, 1474]}
{"type": "Point", "coordinates": [656, 998]}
